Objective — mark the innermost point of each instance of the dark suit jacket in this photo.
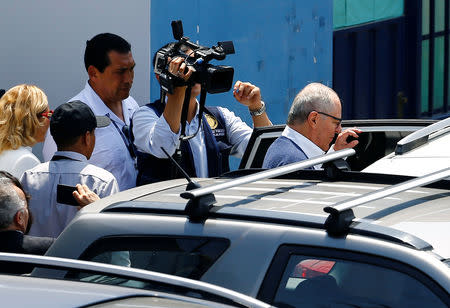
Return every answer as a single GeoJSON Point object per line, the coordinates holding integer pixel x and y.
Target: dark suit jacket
{"type": "Point", "coordinates": [16, 241]}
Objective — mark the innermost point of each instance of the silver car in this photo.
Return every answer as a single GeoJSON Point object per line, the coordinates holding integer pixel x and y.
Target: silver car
{"type": "Point", "coordinates": [330, 238]}
{"type": "Point", "coordinates": [106, 285]}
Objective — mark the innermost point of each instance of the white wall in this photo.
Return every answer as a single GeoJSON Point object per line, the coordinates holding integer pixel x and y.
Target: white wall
{"type": "Point", "coordinates": [42, 42]}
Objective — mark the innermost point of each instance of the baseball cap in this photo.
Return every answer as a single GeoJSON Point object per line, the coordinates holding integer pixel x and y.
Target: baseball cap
{"type": "Point", "coordinates": [73, 119]}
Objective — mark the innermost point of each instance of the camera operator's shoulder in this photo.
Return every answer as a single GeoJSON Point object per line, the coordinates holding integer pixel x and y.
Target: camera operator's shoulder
{"type": "Point", "coordinates": [130, 103]}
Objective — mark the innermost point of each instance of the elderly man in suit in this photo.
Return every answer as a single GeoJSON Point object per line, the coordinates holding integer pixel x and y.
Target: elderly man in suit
{"type": "Point", "coordinates": [313, 121]}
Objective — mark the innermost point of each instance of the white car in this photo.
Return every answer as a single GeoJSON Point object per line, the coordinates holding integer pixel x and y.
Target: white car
{"type": "Point", "coordinates": [106, 285]}
{"type": "Point", "coordinates": [424, 151]}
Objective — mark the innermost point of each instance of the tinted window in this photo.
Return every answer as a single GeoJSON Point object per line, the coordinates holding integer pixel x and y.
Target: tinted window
{"type": "Point", "coordinates": [181, 256]}
{"type": "Point", "coordinates": [330, 282]}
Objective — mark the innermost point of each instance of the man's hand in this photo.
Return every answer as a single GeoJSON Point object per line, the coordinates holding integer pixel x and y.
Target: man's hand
{"type": "Point", "coordinates": [341, 140]}
{"type": "Point", "coordinates": [247, 94]}
{"type": "Point", "coordinates": [84, 195]}
{"type": "Point", "coordinates": [178, 67]}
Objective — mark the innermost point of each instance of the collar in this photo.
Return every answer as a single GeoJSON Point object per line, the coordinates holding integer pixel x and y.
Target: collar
{"type": "Point", "coordinates": [99, 107]}
{"type": "Point", "coordinates": [197, 110]}
{"type": "Point", "coordinates": [309, 147]}
{"type": "Point", "coordinates": [72, 155]}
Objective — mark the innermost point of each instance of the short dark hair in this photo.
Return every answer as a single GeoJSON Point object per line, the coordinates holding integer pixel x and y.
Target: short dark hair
{"type": "Point", "coordinates": [62, 143]}
{"type": "Point", "coordinates": [99, 46]}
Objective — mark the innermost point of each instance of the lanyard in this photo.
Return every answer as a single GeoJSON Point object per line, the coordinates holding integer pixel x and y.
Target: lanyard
{"type": "Point", "coordinates": [125, 139]}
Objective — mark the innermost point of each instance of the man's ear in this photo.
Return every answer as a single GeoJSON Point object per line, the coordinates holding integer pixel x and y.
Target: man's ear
{"type": "Point", "coordinates": [82, 139]}
{"type": "Point", "coordinates": [20, 219]}
{"type": "Point", "coordinates": [312, 119]}
{"type": "Point", "coordinates": [90, 137]}
{"type": "Point", "coordinates": [93, 72]}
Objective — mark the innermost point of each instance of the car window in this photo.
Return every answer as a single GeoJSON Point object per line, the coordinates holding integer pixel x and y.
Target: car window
{"type": "Point", "coordinates": [181, 256]}
{"type": "Point", "coordinates": [314, 281]}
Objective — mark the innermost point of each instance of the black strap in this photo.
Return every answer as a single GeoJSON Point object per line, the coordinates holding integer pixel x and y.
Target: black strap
{"type": "Point", "coordinates": [61, 157]}
{"type": "Point", "coordinates": [125, 139]}
{"type": "Point", "coordinates": [184, 110]}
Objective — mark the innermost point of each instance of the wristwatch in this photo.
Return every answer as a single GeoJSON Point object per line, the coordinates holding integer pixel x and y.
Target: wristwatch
{"type": "Point", "coordinates": [260, 111]}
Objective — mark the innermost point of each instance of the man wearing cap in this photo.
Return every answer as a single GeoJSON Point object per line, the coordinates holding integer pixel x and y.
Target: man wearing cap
{"type": "Point", "coordinates": [72, 126]}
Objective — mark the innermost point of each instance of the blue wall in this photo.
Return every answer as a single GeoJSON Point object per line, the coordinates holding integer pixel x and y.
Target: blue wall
{"type": "Point", "coordinates": [280, 45]}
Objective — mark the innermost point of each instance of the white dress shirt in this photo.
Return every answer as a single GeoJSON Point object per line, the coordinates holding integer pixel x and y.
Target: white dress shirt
{"type": "Point", "coordinates": [309, 148]}
{"type": "Point", "coordinates": [110, 152]}
{"type": "Point", "coordinates": [51, 217]}
{"type": "Point", "coordinates": [17, 161]}
{"type": "Point", "coordinates": [152, 132]}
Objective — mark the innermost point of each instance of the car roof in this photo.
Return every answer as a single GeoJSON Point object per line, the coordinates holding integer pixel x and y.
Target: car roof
{"type": "Point", "coordinates": [420, 214]}
{"type": "Point", "coordinates": [190, 290]}
{"type": "Point", "coordinates": [64, 293]}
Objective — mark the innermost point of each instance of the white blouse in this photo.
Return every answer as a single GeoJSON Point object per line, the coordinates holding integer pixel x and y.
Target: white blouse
{"type": "Point", "coordinates": [18, 161]}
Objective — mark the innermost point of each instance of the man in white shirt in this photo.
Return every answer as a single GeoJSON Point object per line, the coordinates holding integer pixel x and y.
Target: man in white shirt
{"type": "Point", "coordinates": [313, 121]}
{"type": "Point", "coordinates": [110, 66]}
{"type": "Point", "coordinates": [158, 125]}
{"type": "Point", "coordinates": [72, 126]}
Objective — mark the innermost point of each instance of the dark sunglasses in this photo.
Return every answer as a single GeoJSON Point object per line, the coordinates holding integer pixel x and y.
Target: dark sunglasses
{"type": "Point", "coordinates": [329, 115]}
{"type": "Point", "coordinates": [47, 114]}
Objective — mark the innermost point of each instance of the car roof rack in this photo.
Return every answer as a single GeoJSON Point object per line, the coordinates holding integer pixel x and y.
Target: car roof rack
{"type": "Point", "coordinates": [186, 284]}
{"type": "Point", "coordinates": [341, 214]}
{"type": "Point", "coordinates": [420, 137]}
{"type": "Point", "coordinates": [202, 199]}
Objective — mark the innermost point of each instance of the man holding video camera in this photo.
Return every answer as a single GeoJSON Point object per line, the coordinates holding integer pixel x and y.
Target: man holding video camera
{"type": "Point", "coordinates": [205, 152]}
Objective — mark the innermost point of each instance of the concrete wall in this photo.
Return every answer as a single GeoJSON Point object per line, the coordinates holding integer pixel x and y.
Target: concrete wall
{"type": "Point", "coordinates": [42, 42]}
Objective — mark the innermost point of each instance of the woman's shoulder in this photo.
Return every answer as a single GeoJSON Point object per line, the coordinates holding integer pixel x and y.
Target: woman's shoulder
{"type": "Point", "coordinates": [18, 161]}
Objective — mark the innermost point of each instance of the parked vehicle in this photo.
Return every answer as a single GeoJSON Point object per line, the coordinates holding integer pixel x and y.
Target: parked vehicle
{"type": "Point", "coordinates": [330, 237]}
{"type": "Point", "coordinates": [105, 285]}
{"type": "Point", "coordinates": [378, 139]}
{"type": "Point", "coordinates": [426, 150]}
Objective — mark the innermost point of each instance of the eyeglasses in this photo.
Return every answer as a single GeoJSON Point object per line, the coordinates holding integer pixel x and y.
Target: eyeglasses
{"type": "Point", "coordinates": [47, 114]}
{"type": "Point", "coordinates": [329, 115]}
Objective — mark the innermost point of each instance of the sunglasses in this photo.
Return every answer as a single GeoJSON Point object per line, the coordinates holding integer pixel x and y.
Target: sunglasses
{"type": "Point", "coordinates": [47, 114]}
{"type": "Point", "coordinates": [329, 115]}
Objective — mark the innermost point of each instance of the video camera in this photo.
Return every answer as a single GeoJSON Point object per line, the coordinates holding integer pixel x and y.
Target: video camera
{"type": "Point", "coordinates": [216, 79]}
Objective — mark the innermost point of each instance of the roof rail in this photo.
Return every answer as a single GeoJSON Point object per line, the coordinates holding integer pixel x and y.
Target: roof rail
{"type": "Point", "coordinates": [419, 137]}
{"type": "Point", "coordinates": [132, 273]}
{"type": "Point", "coordinates": [201, 199]}
{"type": "Point", "coordinates": [341, 215]}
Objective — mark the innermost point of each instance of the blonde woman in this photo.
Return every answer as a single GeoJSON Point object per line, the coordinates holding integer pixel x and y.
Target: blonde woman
{"type": "Point", "coordinates": [24, 120]}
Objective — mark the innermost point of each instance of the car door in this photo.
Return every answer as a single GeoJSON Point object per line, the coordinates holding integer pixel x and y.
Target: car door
{"type": "Point", "coordinates": [304, 276]}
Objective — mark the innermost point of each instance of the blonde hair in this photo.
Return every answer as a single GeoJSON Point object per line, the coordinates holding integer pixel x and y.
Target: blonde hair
{"type": "Point", "coordinates": [20, 111]}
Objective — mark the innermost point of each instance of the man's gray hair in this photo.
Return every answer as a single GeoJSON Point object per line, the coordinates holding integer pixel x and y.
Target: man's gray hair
{"type": "Point", "coordinates": [313, 97]}
{"type": "Point", "coordinates": [10, 203]}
